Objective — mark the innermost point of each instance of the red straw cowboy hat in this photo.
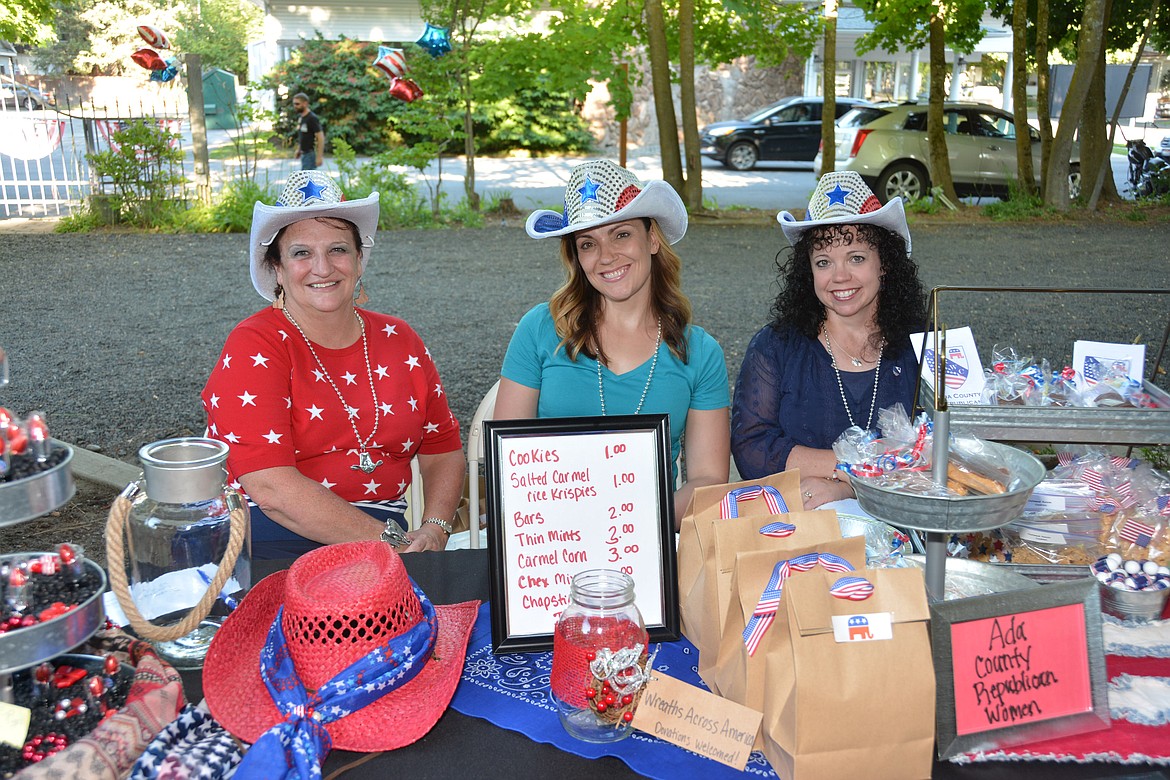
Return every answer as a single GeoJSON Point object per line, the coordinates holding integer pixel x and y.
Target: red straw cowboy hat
{"type": "Point", "coordinates": [340, 602]}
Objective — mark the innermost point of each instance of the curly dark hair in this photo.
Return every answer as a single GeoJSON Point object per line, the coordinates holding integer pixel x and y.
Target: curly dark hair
{"type": "Point", "coordinates": [901, 303]}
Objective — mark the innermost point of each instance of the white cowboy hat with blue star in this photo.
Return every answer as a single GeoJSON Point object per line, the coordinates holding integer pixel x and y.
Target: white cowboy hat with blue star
{"type": "Point", "coordinates": [306, 195]}
{"type": "Point", "coordinates": [600, 192]}
{"type": "Point", "coordinates": [843, 198]}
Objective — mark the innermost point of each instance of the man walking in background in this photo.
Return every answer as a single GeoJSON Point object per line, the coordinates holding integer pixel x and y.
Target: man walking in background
{"type": "Point", "coordinates": [310, 136]}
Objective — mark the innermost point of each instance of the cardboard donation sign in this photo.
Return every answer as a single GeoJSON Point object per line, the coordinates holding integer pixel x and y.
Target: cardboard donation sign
{"type": "Point", "coordinates": [1019, 667]}
{"type": "Point", "coordinates": [699, 721]}
{"type": "Point", "coordinates": [569, 495]}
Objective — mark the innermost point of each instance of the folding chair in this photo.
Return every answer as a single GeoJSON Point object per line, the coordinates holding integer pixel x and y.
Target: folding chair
{"type": "Point", "coordinates": [487, 408]}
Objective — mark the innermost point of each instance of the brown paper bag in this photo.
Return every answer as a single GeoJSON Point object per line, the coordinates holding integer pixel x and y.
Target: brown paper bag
{"type": "Point", "coordinates": [743, 534]}
{"type": "Point", "coordinates": [832, 707]}
{"type": "Point", "coordinates": [738, 673]}
{"type": "Point", "coordinates": [696, 550]}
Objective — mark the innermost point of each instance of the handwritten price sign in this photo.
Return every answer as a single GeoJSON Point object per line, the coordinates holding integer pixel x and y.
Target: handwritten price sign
{"type": "Point", "coordinates": [569, 495]}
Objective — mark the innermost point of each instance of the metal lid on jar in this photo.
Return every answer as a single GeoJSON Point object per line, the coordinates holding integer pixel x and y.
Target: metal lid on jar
{"type": "Point", "coordinates": [184, 471]}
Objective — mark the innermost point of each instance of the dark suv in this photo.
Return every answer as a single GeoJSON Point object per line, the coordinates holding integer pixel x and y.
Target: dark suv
{"type": "Point", "coordinates": [787, 130]}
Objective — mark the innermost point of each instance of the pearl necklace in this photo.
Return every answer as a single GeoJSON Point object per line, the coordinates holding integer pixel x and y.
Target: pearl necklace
{"type": "Point", "coordinates": [841, 386]}
{"type": "Point", "coordinates": [365, 462]}
{"type": "Point", "coordinates": [649, 377]}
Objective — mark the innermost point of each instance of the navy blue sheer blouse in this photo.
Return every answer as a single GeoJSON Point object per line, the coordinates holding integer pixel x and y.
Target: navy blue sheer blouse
{"type": "Point", "coordinates": [787, 394]}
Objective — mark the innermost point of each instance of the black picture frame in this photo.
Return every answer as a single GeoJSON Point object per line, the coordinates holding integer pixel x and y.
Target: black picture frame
{"type": "Point", "coordinates": [943, 615]}
{"type": "Point", "coordinates": [575, 433]}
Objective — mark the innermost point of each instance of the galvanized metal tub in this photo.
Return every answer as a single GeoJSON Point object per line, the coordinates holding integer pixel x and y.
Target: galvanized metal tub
{"type": "Point", "coordinates": [955, 513]}
{"type": "Point", "coordinates": [29, 646]}
{"type": "Point", "coordinates": [1139, 605]}
{"type": "Point", "coordinates": [30, 497]}
{"type": "Point", "coordinates": [966, 578]}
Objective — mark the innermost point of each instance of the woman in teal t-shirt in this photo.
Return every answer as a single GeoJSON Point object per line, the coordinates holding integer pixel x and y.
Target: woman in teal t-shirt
{"type": "Point", "coordinates": [616, 338]}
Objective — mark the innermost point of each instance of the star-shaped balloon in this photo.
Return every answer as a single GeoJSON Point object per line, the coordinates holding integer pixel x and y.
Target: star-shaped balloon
{"type": "Point", "coordinates": [167, 73]}
{"type": "Point", "coordinates": [589, 189]}
{"type": "Point", "coordinates": [837, 195]}
{"type": "Point", "coordinates": [390, 61]}
{"type": "Point", "coordinates": [435, 40]}
{"type": "Point", "coordinates": [405, 90]}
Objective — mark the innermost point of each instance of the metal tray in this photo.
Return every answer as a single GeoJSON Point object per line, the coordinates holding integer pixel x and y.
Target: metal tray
{"type": "Point", "coordinates": [1068, 424]}
{"type": "Point", "coordinates": [26, 647]}
{"type": "Point", "coordinates": [955, 513]}
{"type": "Point", "coordinates": [967, 578]}
{"type": "Point", "coordinates": [25, 499]}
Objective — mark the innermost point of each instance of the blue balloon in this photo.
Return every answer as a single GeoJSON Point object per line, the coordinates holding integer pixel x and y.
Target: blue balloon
{"type": "Point", "coordinates": [435, 40]}
{"type": "Point", "coordinates": [168, 73]}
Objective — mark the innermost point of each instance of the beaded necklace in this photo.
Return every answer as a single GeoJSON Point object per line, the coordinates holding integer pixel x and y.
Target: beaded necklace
{"type": "Point", "coordinates": [841, 386]}
{"type": "Point", "coordinates": [365, 462]}
{"type": "Point", "coordinates": [649, 377]}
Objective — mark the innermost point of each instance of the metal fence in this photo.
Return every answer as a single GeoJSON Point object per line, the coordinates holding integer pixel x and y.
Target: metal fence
{"type": "Point", "coordinates": [45, 146]}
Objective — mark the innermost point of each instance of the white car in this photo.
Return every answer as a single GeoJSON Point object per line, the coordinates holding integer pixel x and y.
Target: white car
{"type": "Point", "coordinates": [886, 144]}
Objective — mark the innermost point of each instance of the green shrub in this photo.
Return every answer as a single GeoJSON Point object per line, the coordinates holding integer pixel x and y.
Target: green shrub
{"type": "Point", "coordinates": [144, 169]}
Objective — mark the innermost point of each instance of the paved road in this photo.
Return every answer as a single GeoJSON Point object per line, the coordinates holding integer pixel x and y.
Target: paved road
{"type": "Point", "coordinates": [113, 335]}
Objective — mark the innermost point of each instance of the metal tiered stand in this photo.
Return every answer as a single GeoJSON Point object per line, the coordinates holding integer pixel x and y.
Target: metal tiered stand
{"type": "Point", "coordinates": [26, 499]}
{"type": "Point", "coordinates": [940, 515]}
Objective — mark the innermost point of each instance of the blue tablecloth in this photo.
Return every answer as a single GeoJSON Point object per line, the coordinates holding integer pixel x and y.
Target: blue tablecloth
{"type": "Point", "coordinates": [512, 692]}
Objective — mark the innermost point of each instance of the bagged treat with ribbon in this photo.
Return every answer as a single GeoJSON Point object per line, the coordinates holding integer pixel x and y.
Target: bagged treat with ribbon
{"type": "Point", "coordinates": [834, 706]}
{"type": "Point", "coordinates": [756, 619]}
{"type": "Point", "coordinates": [774, 533]}
{"type": "Point", "coordinates": [697, 568]}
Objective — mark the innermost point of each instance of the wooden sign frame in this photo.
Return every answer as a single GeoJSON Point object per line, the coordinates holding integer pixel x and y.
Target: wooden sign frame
{"type": "Point", "coordinates": [594, 447]}
{"type": "Point", "coordinates": [944, 616]}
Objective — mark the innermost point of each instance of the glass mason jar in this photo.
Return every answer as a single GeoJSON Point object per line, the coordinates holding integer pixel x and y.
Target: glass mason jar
{"type": "Point", "coordinates": [599, 657]}
{"type": "Point", "coordinates": [177, 534]}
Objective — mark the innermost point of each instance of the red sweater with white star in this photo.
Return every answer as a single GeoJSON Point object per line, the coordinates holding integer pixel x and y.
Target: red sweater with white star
{"type": "Point", "coordinates": [269, 400]}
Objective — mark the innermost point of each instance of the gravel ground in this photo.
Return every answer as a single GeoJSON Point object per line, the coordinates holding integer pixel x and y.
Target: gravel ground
{"type": "Point", "coordinates": [113, 335]}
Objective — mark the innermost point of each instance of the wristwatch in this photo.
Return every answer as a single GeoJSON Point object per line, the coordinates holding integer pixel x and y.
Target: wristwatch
{"type": "Point", "coordinates": [447, 529]}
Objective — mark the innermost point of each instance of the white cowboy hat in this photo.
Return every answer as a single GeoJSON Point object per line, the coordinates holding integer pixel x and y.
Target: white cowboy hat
{"type": "Point", "coordinates": [843, 198]}
{"type": "Point", "coordinates": [600, 192]}
{"type": "Point", "coordinates": [306, 195]}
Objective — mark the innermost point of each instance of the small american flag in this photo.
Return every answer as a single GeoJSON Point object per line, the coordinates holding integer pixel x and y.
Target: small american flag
{"type": "Point", "coordinates": [1137, 533]}
{"type": "Point", "coordinates": [1164, 505]}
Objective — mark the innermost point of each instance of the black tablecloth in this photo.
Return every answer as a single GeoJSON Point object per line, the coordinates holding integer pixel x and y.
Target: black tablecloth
{"type": "Point", "coordinates": [464, 747]}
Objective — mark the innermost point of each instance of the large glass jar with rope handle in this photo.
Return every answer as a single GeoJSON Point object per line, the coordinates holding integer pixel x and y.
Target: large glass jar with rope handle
{"type": "Point", "coordinates": [600, 657]}
{"type": "Point", "coordinates": [178, 547]}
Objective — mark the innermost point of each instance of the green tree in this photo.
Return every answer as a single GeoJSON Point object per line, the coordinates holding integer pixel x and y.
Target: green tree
{"type": "Point", "coordinates": [911, 24]}
{"type": "Point", "coordinates": [26, 21]}
{"type": "Point", "coordinates": [219, 31]}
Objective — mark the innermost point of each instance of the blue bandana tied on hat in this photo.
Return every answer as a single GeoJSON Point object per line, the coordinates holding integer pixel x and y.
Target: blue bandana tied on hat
{"type": "Point", "coordinates": [300, 743]}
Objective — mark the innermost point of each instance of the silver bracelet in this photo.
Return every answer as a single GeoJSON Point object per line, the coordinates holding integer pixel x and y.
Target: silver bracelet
{"type": "Point", "coordinates": [447, 529]}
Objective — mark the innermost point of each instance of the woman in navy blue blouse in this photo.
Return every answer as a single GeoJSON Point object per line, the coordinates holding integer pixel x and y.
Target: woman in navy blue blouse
{"type": "Point", "coordinates": [838, 347]}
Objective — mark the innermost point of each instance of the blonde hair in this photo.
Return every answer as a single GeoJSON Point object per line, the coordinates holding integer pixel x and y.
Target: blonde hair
{"type": "Point", "coordinates": [576, 306]}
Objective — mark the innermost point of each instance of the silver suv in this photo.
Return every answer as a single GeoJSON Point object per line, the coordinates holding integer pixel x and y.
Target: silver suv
{"type": "Point", "coordinates": [886, 144]}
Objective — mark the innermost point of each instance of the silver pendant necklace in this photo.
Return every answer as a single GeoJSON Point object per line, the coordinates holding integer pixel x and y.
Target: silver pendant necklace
{"type": "Point", "coordinates": [365, 463]}
{"type": "Point", "coordinates": [856, 361]}
{"type": "Point", "coordinates": [841, 385]}
{"type": "Point", "coordinates": [649, 377]}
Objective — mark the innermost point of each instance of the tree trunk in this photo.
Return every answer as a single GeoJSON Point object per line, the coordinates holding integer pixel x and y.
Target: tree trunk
{"type": "Point", "coordinates": [663, 101]}
{"type": "Point", "coordinates": [1096, 149]}
{"type": "Point", "coordinates": [1088, 52]}
{"type": "Point", "coordinates": [469, 150]}
{"type": "Point", "coordinates": [1043, 92]}
{"type": "Point", "coordinates": [936, 136]}
{"type": "Point", "coordinates": [1121, 101]}
{"type": "Point", "coordinates": [693, 186]}
{"type": "Point", "coordinates": [1024, 170]}
{"type": "Point", "coordinates": [829, 90]}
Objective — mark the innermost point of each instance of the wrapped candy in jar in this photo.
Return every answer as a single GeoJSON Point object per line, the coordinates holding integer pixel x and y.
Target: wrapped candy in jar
{"type": "Point", "coordinates": [600, 664]}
